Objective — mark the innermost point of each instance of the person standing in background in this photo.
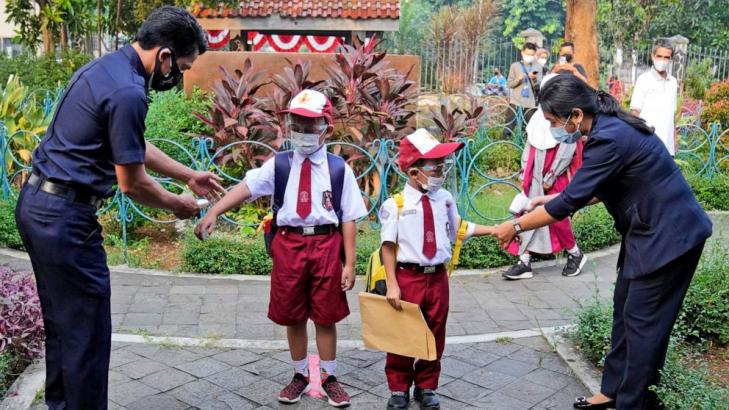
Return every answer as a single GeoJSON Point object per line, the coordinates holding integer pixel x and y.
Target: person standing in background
{"type": "Point", "coordinates": [523, 77]}
{"type": "Point", "coordinates": [542, 59]}
{"type": "Point", "coordinates": [655, 95]}
{"type": "Point", "coordinates": [566, 64]}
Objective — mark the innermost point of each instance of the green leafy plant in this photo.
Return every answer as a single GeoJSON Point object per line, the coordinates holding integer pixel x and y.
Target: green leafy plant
{"type": "Point", "coordinates": [592, 331]}
{"type": "Point", "coordinates": [42, 73]}
{"type": "Point", "coordinates": [717, 105]}
{"type": "Point", "coordinates": [9, 236]}
{"type": "Point", "coordinates": [712, 193]}
{"type": "Point", "coordinates": [225, 254]}
{"type": "Point", "coordinates": [698, 78]}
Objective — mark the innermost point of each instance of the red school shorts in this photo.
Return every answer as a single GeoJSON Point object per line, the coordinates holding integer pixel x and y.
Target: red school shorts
{"type": "Point", "coordinates": [306, 279]}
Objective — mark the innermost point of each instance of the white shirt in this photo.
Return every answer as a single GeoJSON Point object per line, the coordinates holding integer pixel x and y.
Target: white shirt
{"type": "Point", "coordinates": [261, 183]}
{"type": "Point", "coordinates": [407, 230]}
{"type": "Point", "coordinates": [656, 99]}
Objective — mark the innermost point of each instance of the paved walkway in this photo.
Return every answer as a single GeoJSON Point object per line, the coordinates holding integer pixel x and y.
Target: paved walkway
{"type": "Point", "coordinates": [521, 374]}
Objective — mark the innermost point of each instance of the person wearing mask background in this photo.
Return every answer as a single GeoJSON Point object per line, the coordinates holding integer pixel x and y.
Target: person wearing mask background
{"type": "Point", "coordinates": [566, 62]}
{"type": "Point", "coordinates": [497, 83]}
{"type": "Point", "coordinates": [625, 167]}
{"type": "Point", "coordinates": [543, 59]}
{"type": "Point", "coordinates": [655, 95]}
{"type": "Point", "coordinates": [523, 76]}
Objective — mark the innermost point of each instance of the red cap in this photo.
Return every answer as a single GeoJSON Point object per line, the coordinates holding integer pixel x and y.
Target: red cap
{"type": "Point", "coordinates": [311, 104]}
{"type": "Point", "coordinates": [422, 145]}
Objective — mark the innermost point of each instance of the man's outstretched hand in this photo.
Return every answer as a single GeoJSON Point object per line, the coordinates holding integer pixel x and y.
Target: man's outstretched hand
{"type": "Point", "coordinates": [207, 185]}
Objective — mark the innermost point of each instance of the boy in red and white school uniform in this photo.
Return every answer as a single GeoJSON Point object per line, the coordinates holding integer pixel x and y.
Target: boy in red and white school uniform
{"type": "Point", "coordinates": [308, 280]}
{"type": "Point", "coordinates": [416, 247]}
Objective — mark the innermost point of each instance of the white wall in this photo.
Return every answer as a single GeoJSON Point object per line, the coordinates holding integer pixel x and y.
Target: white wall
{"type": "Point", "coordinates": [7, 30]}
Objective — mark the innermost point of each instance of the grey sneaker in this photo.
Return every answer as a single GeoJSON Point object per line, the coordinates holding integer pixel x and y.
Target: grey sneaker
{"type": "Point", "coordinates": [574, 265]}
{"type": "Point", "coordinates": [519, 271]}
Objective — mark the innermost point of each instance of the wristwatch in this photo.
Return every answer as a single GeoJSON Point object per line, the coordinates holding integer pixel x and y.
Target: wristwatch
{"type": "Point", "coordinates": [517, 226]}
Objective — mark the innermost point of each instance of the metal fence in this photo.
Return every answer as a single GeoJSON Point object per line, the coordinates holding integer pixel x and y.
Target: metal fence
{"type": "Point", "coordinates": [483, 180]}
{"type": "Point", "coordinates": [455, 65]}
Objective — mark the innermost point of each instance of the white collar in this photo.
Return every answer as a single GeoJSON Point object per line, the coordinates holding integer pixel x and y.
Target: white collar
{"type": "Point", "coordinates": [317, 157]}
{"type": "Point", "coordinates": [658, 75]}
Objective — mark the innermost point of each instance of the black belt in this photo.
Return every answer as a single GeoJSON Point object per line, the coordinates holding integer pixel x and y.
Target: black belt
{"type": "Point", "coordinates": [422, 269]}
{"type": "Point", "coordinates": [64, 190]}
{"type": "Point", "coordinates": [311, 230]}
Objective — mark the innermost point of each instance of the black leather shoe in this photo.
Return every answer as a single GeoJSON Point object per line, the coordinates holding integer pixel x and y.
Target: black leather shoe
{"type": "Point", "coordinates": [427, 398]}
{"type": "Point", "coordinates": [582, 403]}
{"type": "Point", "coordinates": [398, 401]}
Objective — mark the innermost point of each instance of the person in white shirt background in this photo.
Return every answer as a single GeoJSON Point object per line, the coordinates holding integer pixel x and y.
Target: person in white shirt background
{"type": "Point", "coordinates": [655, 95]}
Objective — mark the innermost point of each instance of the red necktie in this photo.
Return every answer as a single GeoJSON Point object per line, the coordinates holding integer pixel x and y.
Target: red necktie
{"type": "Point", "coordinates": [303, 205]}
{"type": "Point", "coordinates": [429, 244]}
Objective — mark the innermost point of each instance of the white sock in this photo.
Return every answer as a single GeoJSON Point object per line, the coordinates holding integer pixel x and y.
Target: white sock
{"type": "Point", "coordinates": [302, 366]}
{"type": "Point", "coordinates": [575, 251]}
{"type": "Point", "coordinates": [329, 366]}
{"type": "Point", "coordinates": [525, 258]}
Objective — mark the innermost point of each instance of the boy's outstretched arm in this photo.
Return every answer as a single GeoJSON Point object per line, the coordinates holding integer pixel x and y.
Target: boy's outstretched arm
{"type": "Point", "coordinates": [236, 196]}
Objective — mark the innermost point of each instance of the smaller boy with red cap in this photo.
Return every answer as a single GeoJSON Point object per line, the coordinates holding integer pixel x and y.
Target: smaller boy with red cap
{"type": "Point", "coordinates": [315, 223]}
{"type": "Point", "coordinates": [416, 247]}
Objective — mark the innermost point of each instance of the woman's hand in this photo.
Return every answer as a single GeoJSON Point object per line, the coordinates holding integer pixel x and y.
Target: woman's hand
{"type": "Point", "coordinates": [504, 233]}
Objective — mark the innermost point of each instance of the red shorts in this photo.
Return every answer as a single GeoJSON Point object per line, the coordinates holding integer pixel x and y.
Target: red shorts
{"type": "Point", "coordinates": [306, 279]}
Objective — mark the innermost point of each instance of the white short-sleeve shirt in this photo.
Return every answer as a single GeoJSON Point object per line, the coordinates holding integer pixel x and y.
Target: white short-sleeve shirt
{"type": "Point", "coordinates": [260, 183]}
{"type": "Point", "coordinates": [656, 99]}
{"type": "Point", "coordinates": [407, 229]}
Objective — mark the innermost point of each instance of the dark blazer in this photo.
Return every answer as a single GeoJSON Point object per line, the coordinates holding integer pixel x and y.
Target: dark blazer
{"type": "Point", "coordinates": [641, 186]}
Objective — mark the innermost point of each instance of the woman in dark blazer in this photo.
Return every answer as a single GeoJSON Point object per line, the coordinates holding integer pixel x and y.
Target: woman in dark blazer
{"type": "Point", "coordinates": [662, 225]}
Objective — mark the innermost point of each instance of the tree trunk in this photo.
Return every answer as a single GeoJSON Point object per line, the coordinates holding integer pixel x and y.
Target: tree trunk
{"type": "Point", "coordinates": [99, 30]}
{"type": "Point", "coordinates": [64, 37]}
{"type": "Point", "coordinates": [49, 42]}
{"type": "Point", "coordinates": [580, 28]}
{"type": "Point", "coordinates": [116, 25]}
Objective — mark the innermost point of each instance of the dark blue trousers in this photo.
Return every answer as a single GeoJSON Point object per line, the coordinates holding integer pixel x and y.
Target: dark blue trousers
{"type": "Point", "coordinates": [645, 310]}
{"type": "Point", "coordinates": [63, 239]}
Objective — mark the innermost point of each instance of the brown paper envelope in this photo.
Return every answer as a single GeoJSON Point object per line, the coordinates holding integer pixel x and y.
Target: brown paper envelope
{"type": "Point", "coordinates": [401, 332]}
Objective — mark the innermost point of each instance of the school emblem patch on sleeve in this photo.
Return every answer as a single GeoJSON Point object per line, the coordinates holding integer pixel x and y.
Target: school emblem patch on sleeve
{"type": "Point", "coordinates": [326, 200]}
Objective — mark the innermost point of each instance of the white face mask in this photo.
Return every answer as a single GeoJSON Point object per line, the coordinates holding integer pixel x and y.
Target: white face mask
{"type": "Point", "coordinates": [542, 61]}
{"type": "Point", "coordinates": [305, 144]}
{"type": "Point", "coordinates": [433, 183]}
{"type": "Point", "coordinates": [528, 59]}
{"type": "Point", "coordinates": [661, 65]}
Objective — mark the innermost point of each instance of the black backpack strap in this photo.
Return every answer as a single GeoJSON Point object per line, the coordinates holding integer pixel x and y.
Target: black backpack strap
{"type": "Point", "coordinates": [282, 168]}
{"type": "Point", "coordinates": [336, 178]}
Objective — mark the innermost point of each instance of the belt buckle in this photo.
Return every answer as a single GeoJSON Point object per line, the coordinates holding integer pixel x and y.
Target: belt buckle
{"type": "Point", "coordinates": [308, 230]}
{"type": "Point", "coordinates": [429, 269]}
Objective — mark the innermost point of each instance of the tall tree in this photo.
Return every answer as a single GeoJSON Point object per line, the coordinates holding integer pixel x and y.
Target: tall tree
{"type": "Point", "coordinates": [580, 29]}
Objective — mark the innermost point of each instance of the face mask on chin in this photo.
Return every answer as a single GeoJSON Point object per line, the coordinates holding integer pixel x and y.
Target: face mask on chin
{"type": "Point", "coordinates": [161, 82]}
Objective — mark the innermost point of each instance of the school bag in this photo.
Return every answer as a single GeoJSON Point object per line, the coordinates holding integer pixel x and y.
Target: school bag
{"type": "Point", "coordinates": [282, 169]}
{"type": "Point", "coordinates": [376, 277]}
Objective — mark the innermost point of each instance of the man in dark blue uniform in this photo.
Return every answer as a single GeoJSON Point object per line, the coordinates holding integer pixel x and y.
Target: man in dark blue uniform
{"type": "Point", "coordinates": [96, 140]}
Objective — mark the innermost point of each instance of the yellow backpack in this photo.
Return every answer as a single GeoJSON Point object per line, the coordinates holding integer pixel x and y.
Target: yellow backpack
{"type": "Point", "coordinates": [376, 277]}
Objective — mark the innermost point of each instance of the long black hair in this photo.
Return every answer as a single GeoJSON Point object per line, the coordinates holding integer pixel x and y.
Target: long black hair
{"type": "Point", "coordinates": [566, 92]}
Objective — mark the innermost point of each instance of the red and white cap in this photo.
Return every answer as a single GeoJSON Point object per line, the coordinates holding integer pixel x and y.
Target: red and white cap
{"type": "Point", "coordinates": [311, 104]}
{"type": "Point", "coordinates": [422, 145]}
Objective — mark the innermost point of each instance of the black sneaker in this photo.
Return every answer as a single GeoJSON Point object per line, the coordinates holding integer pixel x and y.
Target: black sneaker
{"type": "Point", "coordinates": [427, 398]}
{"type": "Point", "coordinates": [574, 265]}
{"type": "Point", "coordinates": [398, 401]}
{"type": "Point", "coordinates": [519, 271]}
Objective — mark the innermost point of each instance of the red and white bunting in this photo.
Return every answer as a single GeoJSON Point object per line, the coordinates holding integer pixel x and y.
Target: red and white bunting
{"type": "Point", "coordinates": [217, 39]}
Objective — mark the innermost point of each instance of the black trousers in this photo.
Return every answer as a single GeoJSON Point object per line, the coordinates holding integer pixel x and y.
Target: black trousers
{"type": "Point", "coordinates": [63, 239]}
{"type": "Point", "coordinates": [645, 310]}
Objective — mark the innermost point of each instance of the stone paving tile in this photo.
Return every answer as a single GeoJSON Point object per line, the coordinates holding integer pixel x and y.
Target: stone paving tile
{"type": "Point", "coordinates": [463, 391]}
{"type": "Point", "coordinates": [262, 392]}
{"type": "Point", "coordinates": [237, 357]}
{"type": "Point", "coordinates": [197, 392]}
{"type": "Point", "coordinates": [140, 368]}
{"type": "Point", "coordinates": [158, 402]}
{"type": "Point", "coordinates": [204, 367]}
{"type": "Point", "coordinates": [129, 392]}
{"type": "Point", "coordinates": [167, 379]}
{"type": "Point", "coordinates": [227, 401]}
{"type": "Point", "coordinates": [268, 367]}
{"type": "Point", "coordinates": [511, 367]}
{"type": "Point", "coordinates": [526, 391]}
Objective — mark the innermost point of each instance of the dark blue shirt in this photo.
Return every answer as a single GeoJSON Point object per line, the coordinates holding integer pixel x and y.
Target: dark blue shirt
{"type": "Point", "coordinates": [641, 186]}
{"type": "Point", "coordinates": [99, 122]}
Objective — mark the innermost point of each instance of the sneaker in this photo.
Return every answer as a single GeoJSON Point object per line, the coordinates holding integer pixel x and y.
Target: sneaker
{"type": "Point", "coordinates": [574, 265]}
{"type": "Point", "coordinates": [399, 400]}
{"type": "Point", "coordinates": [519, 271]}
{"type": "Point", "coordinates": [335, 392]}
{"type": "Point", "coordinates": [427, 398]}
{"type": "Point", "coordinates": [298, 387]}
